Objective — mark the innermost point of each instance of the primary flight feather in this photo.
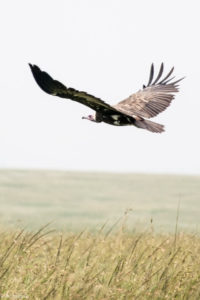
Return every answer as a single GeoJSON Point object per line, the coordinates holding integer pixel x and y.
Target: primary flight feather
{"type": "Point", "coordinates": [154, 98]}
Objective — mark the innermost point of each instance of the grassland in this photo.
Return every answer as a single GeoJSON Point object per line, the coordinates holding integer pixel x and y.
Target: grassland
{"type": "Point", "coordinates": [73, 200]}
{"type": "Point", "coordinates": [101, 265]}
{"type": "Point", "coordinates": [149, 251]}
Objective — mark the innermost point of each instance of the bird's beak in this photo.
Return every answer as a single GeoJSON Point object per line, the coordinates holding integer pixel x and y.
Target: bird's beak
{"type": "Point", "coordinates": [90, 118]}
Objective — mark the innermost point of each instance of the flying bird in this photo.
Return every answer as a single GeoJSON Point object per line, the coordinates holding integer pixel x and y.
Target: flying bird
{"type": "Point", "coordinates": [148, 102]}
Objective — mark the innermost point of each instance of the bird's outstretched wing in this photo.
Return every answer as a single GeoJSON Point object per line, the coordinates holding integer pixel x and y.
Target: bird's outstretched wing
{"type": "Point", "coordinates": [56, 88]}
{"type": "Point", "coordinates": [153, 98]}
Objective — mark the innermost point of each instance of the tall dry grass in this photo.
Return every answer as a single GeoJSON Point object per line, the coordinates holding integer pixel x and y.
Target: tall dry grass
{"type": "Point", "coordinates": [102, 265]}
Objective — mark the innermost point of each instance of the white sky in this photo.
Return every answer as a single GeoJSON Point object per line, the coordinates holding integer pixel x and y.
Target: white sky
{"type": "Point", "coordinates": [103, 47]}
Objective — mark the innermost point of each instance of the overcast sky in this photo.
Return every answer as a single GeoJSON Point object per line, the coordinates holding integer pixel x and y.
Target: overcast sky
{"type": "Point", "coordinates": [106, 48]}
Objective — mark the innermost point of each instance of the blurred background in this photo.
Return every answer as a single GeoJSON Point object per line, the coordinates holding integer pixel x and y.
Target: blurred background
{"type": "Point", "coordinates": [105, 48]}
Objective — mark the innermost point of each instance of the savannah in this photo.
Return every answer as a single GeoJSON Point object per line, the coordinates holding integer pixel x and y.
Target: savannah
{"type": "Point", "coordinates": [73, 235]}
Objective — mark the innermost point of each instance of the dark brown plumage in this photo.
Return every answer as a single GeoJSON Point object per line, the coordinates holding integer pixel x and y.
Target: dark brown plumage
{"type": "Point", "coordinates": [146, 103]}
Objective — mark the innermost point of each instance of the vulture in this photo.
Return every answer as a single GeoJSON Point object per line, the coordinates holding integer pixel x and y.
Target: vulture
{"type": "Point", "coordinates": [148, 102]}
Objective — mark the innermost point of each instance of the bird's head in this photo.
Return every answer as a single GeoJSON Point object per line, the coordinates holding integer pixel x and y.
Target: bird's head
{"type": "Point", "coordinates": [90, 117]}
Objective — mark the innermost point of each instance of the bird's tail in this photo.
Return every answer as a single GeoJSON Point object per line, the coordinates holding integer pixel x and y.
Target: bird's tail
{"type": "Point", "coordinates": [149, 125]}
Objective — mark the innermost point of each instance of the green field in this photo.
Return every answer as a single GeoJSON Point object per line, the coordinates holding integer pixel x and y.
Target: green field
{"type": "Point", "coordinates": [75, 200]}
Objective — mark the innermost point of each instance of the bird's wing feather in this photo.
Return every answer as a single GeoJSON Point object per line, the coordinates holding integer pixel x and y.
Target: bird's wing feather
{"type": "Point", "coordinates": [56, 88]}
{"type": "Point", "coordinates": [153, 99]}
